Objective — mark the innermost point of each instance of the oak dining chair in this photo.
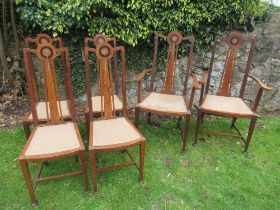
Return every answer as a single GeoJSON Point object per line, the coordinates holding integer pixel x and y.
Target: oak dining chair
{"type": "Point", "coordinates": [55, 139]}
{"type": "Point", "coordinates": [221, 102]}
{"type": "Point", "coordinates": [40, 106]}
{"type": "Point", "coordinates": [167, 102]}
{"type": "Point", "coordinates": [110, 132]}
{"type": "Point", "coordinates": [96, 106]}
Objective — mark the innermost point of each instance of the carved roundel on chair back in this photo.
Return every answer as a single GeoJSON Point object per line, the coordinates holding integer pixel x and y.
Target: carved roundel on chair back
{"type": "Point", "coordinates": [44, 39]}
{"type": "Point", "coordinates": [235, 40]}
{"type": "Point", "coordinates": [174, 37]}
{"type": "Point", "coordinates": [104, 50]}
{"type": "Point", "coordinates": [46, 52]}
{"type": "Point", "coordinates": [99, 38]}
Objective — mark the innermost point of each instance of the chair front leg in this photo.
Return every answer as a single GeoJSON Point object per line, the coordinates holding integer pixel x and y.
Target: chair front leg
{"type": "Point", "coordinates": [185, 138]}
{"type": "Point", "coordinates": [198, 125]}
{"type": "Point", "coordinates": [250, 132]}
{"type": "Point", "coordinates": [142, 160]}
{"type": "Point", "coordinates": [93, 170]}
{"type": "Point", "coordinates": [84, 168]}
{"type": "Point", "coordinates": [27, 178]}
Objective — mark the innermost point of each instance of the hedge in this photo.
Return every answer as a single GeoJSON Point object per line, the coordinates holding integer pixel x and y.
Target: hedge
{"type": "Point", "coordinates": [133, 21]}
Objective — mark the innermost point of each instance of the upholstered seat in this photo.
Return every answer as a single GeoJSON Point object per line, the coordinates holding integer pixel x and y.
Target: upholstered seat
{"type": "Point", "coordinates": [114, 131]}
{"type": "Point", "coordinates": [96, 103]}
{"type": "Point", "coordinates": [53, 139]}
{"type": "Point", "coordinates": [164, 102]}
{"type": "Point", "coordinates": [42, 112]}
{"type": "Point", "coordinates": [226, 105]}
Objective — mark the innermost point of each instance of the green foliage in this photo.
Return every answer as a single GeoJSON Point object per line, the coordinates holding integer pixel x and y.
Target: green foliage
{"type": "Point", "coordinates": [137, 20]}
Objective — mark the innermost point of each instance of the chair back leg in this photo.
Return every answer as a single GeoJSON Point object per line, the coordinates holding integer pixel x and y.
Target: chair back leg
{"type": "Point", "coordinates": [185, 138]}
{"type": "Point", "coordinates": [198, 125]}
{"type": "Point", "coordinates": [84, 168]}
{"type": "Point", "coordinates": [93, 170]}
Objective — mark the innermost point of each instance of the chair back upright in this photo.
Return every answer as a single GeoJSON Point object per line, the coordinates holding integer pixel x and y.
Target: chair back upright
{"type": "Point", "coordinates": [235, 41]}
{"type": "Point", "coordinates": [47, 54]}
{"type": "Point", "coordinates": [174, 40]}
{"type": "Point", "coordinates": [104, 53]}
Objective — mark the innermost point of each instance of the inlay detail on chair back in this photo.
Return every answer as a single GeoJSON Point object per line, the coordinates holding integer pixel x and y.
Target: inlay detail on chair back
{"type": "Point", "coordinates": [47, 54]}
{"type": "Point", "coordinates": [235, 41]}
{"type": "Point", "coordinates": [105, 53]}
{"type": "Point", "coordinates": [101, 38]}
{"type": "Point", "coordinates": [45, 39]}
{"type": "Point", "coordinates": [174, 40]}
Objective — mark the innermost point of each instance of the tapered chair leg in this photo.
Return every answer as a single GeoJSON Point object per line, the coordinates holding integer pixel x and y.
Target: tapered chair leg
{"type": "Point", "coordinates": [250, 132]}
{"type": "Point", "coordinates": [185, 138]}
{"type": "Point", "coordinates": [26, 127]}
{"type": "Point", "coordinates": [84, 169]}
{"type": "Point", "coordinates": [142, 159]}
{"type": "Point", "coordinates": [93, 170]}
{"type": "Point", "coordinates": [198, 125]}
{"type": "Point", "coordinates": [27, 178]}
{"type": "Point", "coordinates": [136, 120]}
{"type": "Point", "coordinates": [233, 122]}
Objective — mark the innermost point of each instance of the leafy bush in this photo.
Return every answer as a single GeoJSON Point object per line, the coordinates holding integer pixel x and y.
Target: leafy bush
{"type": "Point", "coordinates": [137, 20]}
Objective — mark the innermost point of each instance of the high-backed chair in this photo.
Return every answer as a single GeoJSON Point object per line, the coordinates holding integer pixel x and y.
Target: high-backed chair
{"type": "Point", "coordinates": [96, 106]}
{"type": "Point", "coordinates": [110, 133]}
{"type": "Point", "coordinates": [166, 102]}
{"type": "Point", "coordinates": [56, 139]}
{"type": "Point", "coordinates": [222, 103]}
{"type": "Point", "coordinates": [41, 109]}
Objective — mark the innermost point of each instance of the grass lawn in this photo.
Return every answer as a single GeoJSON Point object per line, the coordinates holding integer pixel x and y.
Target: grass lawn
{"type": "Point", "coordinates": [212, 175]}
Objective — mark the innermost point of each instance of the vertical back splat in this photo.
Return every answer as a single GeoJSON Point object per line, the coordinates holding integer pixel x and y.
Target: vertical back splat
{"type": "Point", "coordinates": [174, 39]}
{"type": "Point", "coordinates": [104, 53]}
{"type": "Point", "coordinates": [47, 53]}
{"type": "Point", "coordinates": [234, 42]}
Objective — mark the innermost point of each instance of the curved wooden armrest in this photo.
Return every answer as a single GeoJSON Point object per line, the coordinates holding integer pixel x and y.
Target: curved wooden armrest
{"type": "Point", "coordinates": [196, 86]}
{"type": "Point", "coordinates": [203, 78]}
{"type": "Point", "coordinates": [260, 83]}
{"type": "Point", "coordinates": [141, 75]}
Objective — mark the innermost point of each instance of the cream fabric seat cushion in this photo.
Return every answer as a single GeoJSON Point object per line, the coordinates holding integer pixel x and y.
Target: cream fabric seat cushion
{"type": "Point", "coordinates": [226, 105]}
{"type": "Point", "coordinates": [96, 103]}
{"type": "Point", "coordinates": [113, 131]}
{"type": "Point", "coordinates": [42, 112]}
{"type": "Point", "coordinates": [52, 139]}
{"type": "Point", "coordinates": [164, 102]}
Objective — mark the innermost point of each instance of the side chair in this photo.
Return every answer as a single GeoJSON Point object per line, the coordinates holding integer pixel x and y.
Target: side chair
{"type": "Point", "coordinates": [96, 106]}
{"type": "Point", "coordinates": [40, 106]}
{"type": "Point", "coordinates": [222, 103]}
{"type": "Point", "coordinates": [166, 102]}
{"type": "Point", "coordinates": [110, 132]}
{"type": "Point", "coordinates": [55, 139]}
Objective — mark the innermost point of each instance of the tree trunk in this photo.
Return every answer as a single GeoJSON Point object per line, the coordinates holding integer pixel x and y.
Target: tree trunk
{"type": "Point", "coordinates": [14, 27]}
{"type": "Point", "coordinates": [4, 21]}
{"type": "Point", "coordinates": [4, 60]}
